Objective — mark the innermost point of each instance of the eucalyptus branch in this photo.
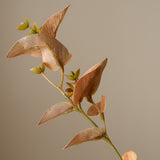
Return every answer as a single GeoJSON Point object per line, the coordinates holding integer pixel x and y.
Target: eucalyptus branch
{"type": "Point", "coordinates": [85, 86]}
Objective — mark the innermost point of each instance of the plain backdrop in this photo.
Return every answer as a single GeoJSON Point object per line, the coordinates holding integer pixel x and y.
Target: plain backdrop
{"type": "Point", "coordinates": [128, 33]}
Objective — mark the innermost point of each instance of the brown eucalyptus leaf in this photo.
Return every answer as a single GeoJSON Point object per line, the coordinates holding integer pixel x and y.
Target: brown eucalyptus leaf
{"type": "Point", "coordinates": [86, 135]}
{"type": "Point", "coordinates": [88, 84]}
{"type": "Point", "coordinates": [92, 111]}
{"type": "Point", "coordinates": [68, 90]}
{"type": "Point", "coordinates": [27, 45]}
{"type": "Point", "coordinates": [130, 155]}
{"type": "Point", "coordinates": [54, 53]}
{"type": "Point", "coordinates": [52, 24]}
{"type": "Point", "coordinates": [56, 110]}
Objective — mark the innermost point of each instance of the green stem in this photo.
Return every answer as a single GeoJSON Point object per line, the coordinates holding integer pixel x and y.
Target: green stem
{"type": "Point", "coordinates": [58, 88]}
{"type": "Point", "coordinates": [86, 116]}
{"type": "Point", "coordinates": [53, 84]}
{"type": "Point", "coordinates": [106, 138]}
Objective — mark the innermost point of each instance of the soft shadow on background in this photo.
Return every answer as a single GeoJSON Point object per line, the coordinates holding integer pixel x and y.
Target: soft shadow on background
{"type": "Point", "coordinates": [128, 33]}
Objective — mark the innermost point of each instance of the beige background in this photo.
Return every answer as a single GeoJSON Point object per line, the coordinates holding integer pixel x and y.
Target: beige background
{"type": "Point", "coordinates": [128, 33]}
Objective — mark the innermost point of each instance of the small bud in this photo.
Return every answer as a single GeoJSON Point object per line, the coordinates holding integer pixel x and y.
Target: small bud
{"type": "Point", "coordinates": [36, 70]}
{"type": "Point", "coordinates": [35, 28]}
{"type": "Point", "coordinates": [72, 74]}
{"type": "Point", "coordinates": [69, 90]}
{"type": "Point", "coordinates": [23, 25]}
{"type": "Point", "coordinates": [69, 77]}
{"type": "Point", "coordinates": [77, 74]}
{"type": "Point", "coordinates": [32, 32]}
{"type": "Point", "coordinates": [27, 22]}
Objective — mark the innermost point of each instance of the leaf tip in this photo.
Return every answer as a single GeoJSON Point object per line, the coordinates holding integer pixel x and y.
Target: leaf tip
{"type": "Point", "coordinates": [68, 5]}
{"type": "Point", "coordinates": [9, 55]}
{"type": "Point", "coordinates": [39, 123]}
{"type": "Point", "coordinates": [65, 147]}
{"type": "Point", "coordinates": [66, 8]}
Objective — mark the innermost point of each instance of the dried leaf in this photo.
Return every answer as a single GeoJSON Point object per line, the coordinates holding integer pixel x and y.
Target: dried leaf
{"type": "Point", "coordinates": [69, 90]}
{"type": "Point", "coordinates": [70, 85]}
{"type": "Point", "coordinates": [56, 110]}
{"type": "Point", "coordinates": [26, 45]}
{"type": "Point", "coordinates": [92, 111]}
{"type": "Point", "coordinates": [130, 155]}
{"type": "Point", "coordinates": [54, 53]}
{"type": "Point", "coordinates": [87, 85]}
{"type": "Point", "coordinates": [52, 24]}
{"type": "Point", "coordinates": [86, 135]}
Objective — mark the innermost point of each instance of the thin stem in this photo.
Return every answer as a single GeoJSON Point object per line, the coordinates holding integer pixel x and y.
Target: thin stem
{"type": "Point", "coordinates": [104, 122]}
{"type": "Point", "coordinates": [53, 84]}
{"type": "Point", "coordinates": [62, 77]}
{"type": "Point", "coordinates": [58, 88]}
{"type": "Point", "coordinates": [106, 138]}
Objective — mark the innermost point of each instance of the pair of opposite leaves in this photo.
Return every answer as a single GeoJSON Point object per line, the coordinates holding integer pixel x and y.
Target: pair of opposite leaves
{"type": "Point", "coordinates": [55, 55]}
{"type": "Point", "coordinates": [44, 44]}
